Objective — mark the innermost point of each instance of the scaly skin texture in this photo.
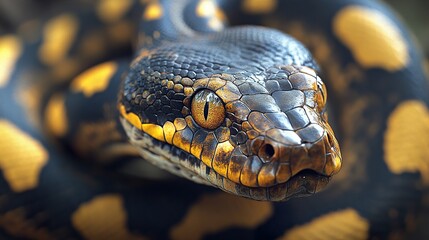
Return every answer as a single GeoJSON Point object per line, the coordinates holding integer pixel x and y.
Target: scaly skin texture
{"type": "Point", "coordinates": [378, 97]}
{"type": "Point", "coordinates": [256, 86]}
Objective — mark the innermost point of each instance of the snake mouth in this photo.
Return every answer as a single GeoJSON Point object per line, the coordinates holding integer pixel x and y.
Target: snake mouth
{"type": "Point", "coordinates": [303, 183]}
{"type": "Point", "coordinates": [306, 182]}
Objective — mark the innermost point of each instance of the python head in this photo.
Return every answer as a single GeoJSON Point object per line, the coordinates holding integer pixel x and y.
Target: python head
{"type": "Point", "coordinates": [237, 112]}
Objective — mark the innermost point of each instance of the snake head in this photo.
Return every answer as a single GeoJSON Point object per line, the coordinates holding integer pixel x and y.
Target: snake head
{"type": "Point", "coordinates": [263, 136]}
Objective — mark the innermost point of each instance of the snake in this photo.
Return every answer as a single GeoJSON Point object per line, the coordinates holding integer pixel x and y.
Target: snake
{"type": "Point", "coordinates": [204, 119]}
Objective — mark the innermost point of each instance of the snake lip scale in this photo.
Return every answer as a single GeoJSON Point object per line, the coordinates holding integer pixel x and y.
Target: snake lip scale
{"type": "Point", "coordinates": [304, 183]}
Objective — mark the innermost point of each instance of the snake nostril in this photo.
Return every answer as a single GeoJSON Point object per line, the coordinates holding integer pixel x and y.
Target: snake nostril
{"type": "Point", "coordinates": [267, 152]}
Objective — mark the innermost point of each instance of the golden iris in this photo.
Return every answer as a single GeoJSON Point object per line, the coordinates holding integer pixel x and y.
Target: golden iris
{"type": "Point", "coordinates": [207, 109]}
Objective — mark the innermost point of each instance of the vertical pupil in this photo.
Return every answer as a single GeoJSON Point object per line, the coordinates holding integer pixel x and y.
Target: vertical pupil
{"type": "Point", "coordinates": [206, 110]}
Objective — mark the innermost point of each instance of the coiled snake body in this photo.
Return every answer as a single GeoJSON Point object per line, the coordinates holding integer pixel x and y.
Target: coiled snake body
{"type": "Point", "coordinates": [240, 108]}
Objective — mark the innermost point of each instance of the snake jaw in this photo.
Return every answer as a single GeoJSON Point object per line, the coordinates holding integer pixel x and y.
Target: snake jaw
{"type": "Point", "coordinates": [168, 157]}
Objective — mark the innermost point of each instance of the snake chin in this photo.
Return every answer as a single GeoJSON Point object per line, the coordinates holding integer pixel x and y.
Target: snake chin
{"type": "Point", "coordinates": [176, 161]}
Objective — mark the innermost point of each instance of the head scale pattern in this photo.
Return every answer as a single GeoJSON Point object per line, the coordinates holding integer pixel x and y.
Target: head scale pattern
{"type": "Point", "coordinates": [245, 107]}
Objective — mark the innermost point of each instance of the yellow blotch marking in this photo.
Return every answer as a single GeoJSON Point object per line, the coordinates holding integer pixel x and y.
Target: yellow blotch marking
{"type": "Point", "coordinates": [10, 50]}
{"type": "Point", "coordinates": [95, 79]}
{"type": "Point", "coordinates": [215, 24]}
{"type": "Point", "coordinates": [169, 131]}
{"type": "Point", "coordinates": [217, 212]}
{"type": "Point", "coordinates": [22, 157]}
{"type": "Point", "coordinates": [373, 39]}
{"type": "Point", "coordinates": [58, 36]}
{"type": "Point", "coordinates": [258, 6]}
{"type": "Point", "coordinates": [406, 142]}
{"type": "Point", "coordinates": [220, 14]}
{"type": "Point", "coordinates": [130, 117]}
{"type": "Point", "coordinates": [103, 217]}
{"type": "Point", "coordinates": [206, 8]}
{"type": "Point", "coordinates": [180, 123]}
{"type": "Point", "coordinates": [153, 11]}
{"type": "Point", "coordinates": [113, 10]}
{"type": "Point", "coordinates": [331, 226]}
{"type": "Point", "coordinates": [223, 151]}
{"type": "Point", "coordinates": [56, 116]}
{"type": "Point", "coordinates": [209, 9]}
{"type": "Point", "coordinates": [154, 131]}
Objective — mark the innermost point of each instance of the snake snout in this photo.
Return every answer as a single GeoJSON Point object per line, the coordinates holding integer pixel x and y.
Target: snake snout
{"type": "Point", "coordinates": [320, 158]}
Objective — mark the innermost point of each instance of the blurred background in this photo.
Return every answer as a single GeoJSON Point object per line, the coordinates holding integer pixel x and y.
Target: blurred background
{"type": "Point", "coordinates": [413, 12]}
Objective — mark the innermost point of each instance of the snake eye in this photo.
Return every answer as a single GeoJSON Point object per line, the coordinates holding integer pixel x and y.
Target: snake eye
{"type": "Point", "coordinates": [321, 95]}
{"type": "Point", "coordinates": [207, 109]}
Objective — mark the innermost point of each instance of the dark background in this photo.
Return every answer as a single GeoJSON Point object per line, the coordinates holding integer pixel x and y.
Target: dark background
{"type": "Point", "coordinates": [413, 12]}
